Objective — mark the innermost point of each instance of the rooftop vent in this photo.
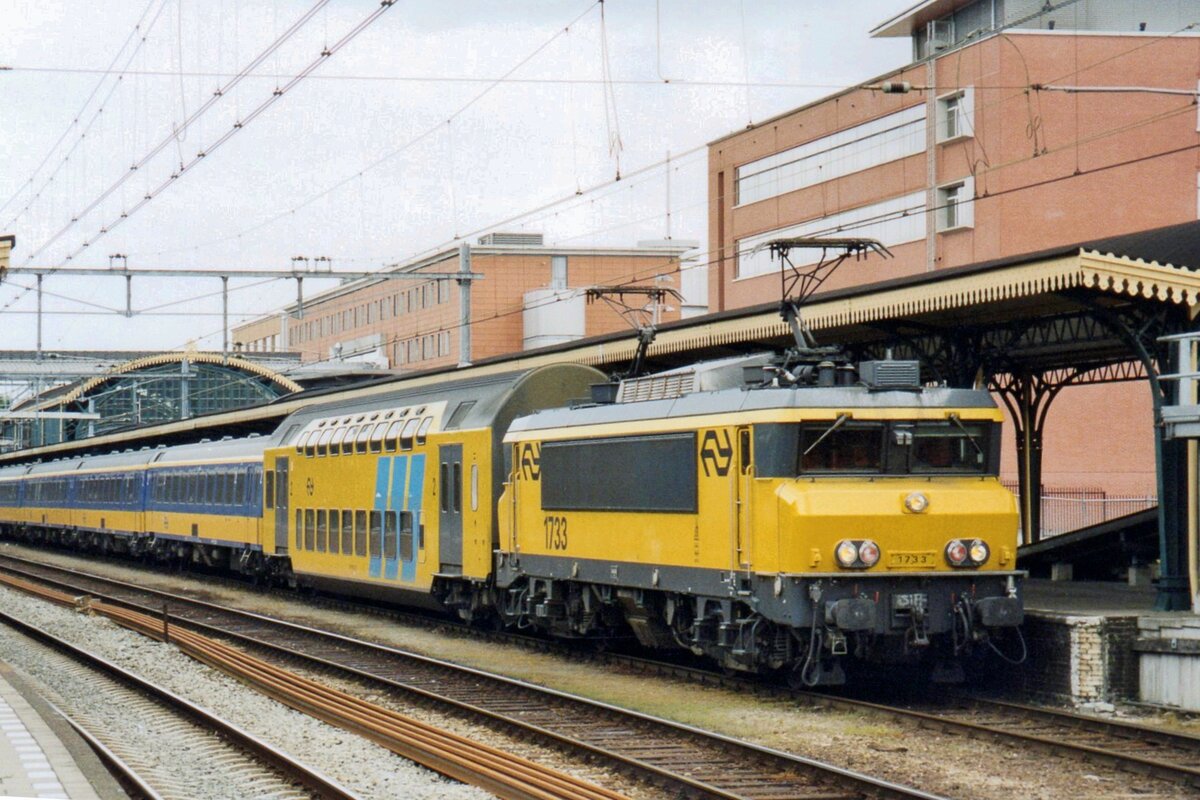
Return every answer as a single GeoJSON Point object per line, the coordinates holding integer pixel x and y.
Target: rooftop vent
{"type": "Point", "coordinates": [657, 387]}
{"type": "Point", "coordinates": [890, 374]}
{"type": "Point", "coordinates": [709, 376]}
{"type": "Point", "coordinates": [512, 239]}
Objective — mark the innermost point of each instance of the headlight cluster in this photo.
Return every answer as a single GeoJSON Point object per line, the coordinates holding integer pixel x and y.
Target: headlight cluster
{"type": "Point", "coordinates": [858, 554]}
{"type": "Point", "coordinates": [967, 554]}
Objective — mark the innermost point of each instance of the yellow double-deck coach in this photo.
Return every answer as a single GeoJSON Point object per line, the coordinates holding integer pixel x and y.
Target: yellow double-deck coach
{"type": "Point", "coordinates": [767, 516]}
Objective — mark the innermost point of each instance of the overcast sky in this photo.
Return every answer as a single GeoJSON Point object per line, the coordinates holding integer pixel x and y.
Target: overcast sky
{"type": "Point", "coordinates": [398, 143]}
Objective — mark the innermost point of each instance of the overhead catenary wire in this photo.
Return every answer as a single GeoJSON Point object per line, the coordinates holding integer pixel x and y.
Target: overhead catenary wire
{"type": "Point", "coordinates": [240, 125]}
{"type": "Point", "coordinates": [386, 157]}
{"type": "Point", "coordinates": [86, 128]}
{"type": "Point", "coordinates": [188, 120]}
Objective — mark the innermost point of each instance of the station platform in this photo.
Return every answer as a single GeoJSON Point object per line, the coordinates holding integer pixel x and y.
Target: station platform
{"type": "Point", "coordinates": [1096, 643]}
{"type": "Point", "coordinates": [41, 756]}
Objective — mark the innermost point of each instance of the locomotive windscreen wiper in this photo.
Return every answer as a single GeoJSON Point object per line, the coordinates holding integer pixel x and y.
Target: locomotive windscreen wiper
{"type": "Point", "coordinates": [954, 418]}
{"type": "Point", "coordinates": [837, 423]}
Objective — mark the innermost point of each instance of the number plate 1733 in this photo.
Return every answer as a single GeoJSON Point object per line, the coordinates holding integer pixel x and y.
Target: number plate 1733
{"type": "Point", "coordinates": [912, 560]}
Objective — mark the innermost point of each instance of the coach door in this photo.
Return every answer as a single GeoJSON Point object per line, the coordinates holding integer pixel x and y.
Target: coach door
{"type": "Point", "coordinates": [450, 521]}
{"type": "Point", "coordinates": [281, 504]}
{"type": "Point", "coordinates": [742, 491]}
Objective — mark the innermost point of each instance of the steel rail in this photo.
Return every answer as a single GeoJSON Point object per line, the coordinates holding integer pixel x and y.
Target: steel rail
{"type": "Point", "coordinates": [129, 779]}
{"type": "Point", "coordinates": [504, 774]}
{"type": "Point", "coordinates": [838, 782]}
{"type": "Point", "coordinates": [306, 776]}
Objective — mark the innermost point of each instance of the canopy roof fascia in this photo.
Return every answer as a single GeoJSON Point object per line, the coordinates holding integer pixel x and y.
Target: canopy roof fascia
{"type": "Point", "coordinates": [130, 367]}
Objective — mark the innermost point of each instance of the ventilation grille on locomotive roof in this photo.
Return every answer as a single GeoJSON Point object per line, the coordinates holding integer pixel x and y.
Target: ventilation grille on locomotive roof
{"type": "Point", "coordinates": [890, 374]}
{"type": "Point", "coordinates": [657, 387]}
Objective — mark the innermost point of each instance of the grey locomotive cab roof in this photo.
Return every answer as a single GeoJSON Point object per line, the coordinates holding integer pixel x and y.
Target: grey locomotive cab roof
{"type": "Point", "coordinates": [726, 401]}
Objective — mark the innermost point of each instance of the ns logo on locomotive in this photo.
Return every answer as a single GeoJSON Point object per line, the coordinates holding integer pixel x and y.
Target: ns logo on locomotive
{"type": "Point", "coordinates": [770, 515]}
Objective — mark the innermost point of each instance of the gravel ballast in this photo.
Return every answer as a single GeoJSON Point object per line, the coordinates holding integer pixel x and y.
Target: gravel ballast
{"type": "Point", "coordinates": [361, 766]}
{"type": "Point", "coordinates": [947, 764]}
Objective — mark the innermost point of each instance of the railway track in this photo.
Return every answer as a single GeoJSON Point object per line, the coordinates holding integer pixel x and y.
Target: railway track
{"type": "Point", "coordinates": [239, 757]}
{"type": "Point", "coordinates": [1135, 748]}
{"type": "Point", "coordinates": [680, 759]}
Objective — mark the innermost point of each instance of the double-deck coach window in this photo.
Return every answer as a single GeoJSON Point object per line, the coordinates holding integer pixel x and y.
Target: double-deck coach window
{"type": "Point", "coordinates": [376, 534]}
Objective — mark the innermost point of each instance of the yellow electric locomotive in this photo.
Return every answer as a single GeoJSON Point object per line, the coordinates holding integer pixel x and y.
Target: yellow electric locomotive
{"type": "Point", "coordinates": [768, 517]}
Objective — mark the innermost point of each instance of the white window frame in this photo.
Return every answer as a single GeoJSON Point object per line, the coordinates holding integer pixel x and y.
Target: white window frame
{"type": "Point", "coordinates": [963, 127]}
{"type": "Point", "coordinates": [956, 205]}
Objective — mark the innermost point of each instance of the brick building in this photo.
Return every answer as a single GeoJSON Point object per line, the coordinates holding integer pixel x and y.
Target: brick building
{"type": "Point", "coordinates": [1020, 125]}
{"type": "Point", "coordinates": [529, 295]}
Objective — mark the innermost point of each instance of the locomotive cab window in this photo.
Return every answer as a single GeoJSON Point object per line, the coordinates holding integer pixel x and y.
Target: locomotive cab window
{"type": "Point", "coordinates": [903, 447]}
{"type": "Point", "coordinates": [839, 446]}
{"type": "Point", "coordinates": [950, 447]}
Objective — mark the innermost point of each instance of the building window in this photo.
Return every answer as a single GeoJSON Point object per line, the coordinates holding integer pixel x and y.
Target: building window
{"type": "Point", "coordinates": [879, 141]}
{"type": "Point", "coordinates": [956, 205]}
{"type": "Point", "coordinates": [444, 343]}
{"type": "Point", "coordinates": [558, 272]}
{"type": "Point", "coordinates": [955, 113]}
{"type": "Point", "coordinates": [443, 291]}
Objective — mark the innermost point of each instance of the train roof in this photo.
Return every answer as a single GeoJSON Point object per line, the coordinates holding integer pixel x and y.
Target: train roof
{"type": "Point", "coordinates": [472, 403]}
{"type": "Point", "coordinates": [728, 401]}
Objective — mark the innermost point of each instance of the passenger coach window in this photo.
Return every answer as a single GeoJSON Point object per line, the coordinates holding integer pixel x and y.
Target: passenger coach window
{"type": "Point", "coordinates": [393, 434]}
{"type": "Point", "coordinates": [348, 442]}
{"type": "Point", "coordinates": [406, 535]}
{"type": "Point", "coordinates": [310, 530]}
{"type": "Point", "coordinates": [334, 530]}
{"type": "Point", "coordinates": [360, 444]}
{"type": "Point", "coordinates": [299, 530]}
{"type": "Point", "coordinates": [474, 487]}
{"type": "Point", "coordinates": [376, 443]}
{"type": "Point", "coordinates": [335, 446]}
{"type": "Point", "coordinates": [444, 486]}
{"type": "Point", "coordinates": [406, 436]}
{"type": "Point", "coordinates": [457, 484]}
{"type": "Point", "coordinates": [389, 535]}
{"type": "Point", "coordinates": [360, 533]}
{"type": "Point", "coordinates": [347, 532]}
{"type": "Point", "coordinates": [376, 534]}
{"type": "Point", "coordinates": [269, 488]}
{"type": "Point", "coordinates": [426, 424]}
{"type": "Point", "coordinates": [322, 529]}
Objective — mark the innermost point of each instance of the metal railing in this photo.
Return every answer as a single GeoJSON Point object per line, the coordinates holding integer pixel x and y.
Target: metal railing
{"type": "Point", "coordinates": [1066, 509]}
